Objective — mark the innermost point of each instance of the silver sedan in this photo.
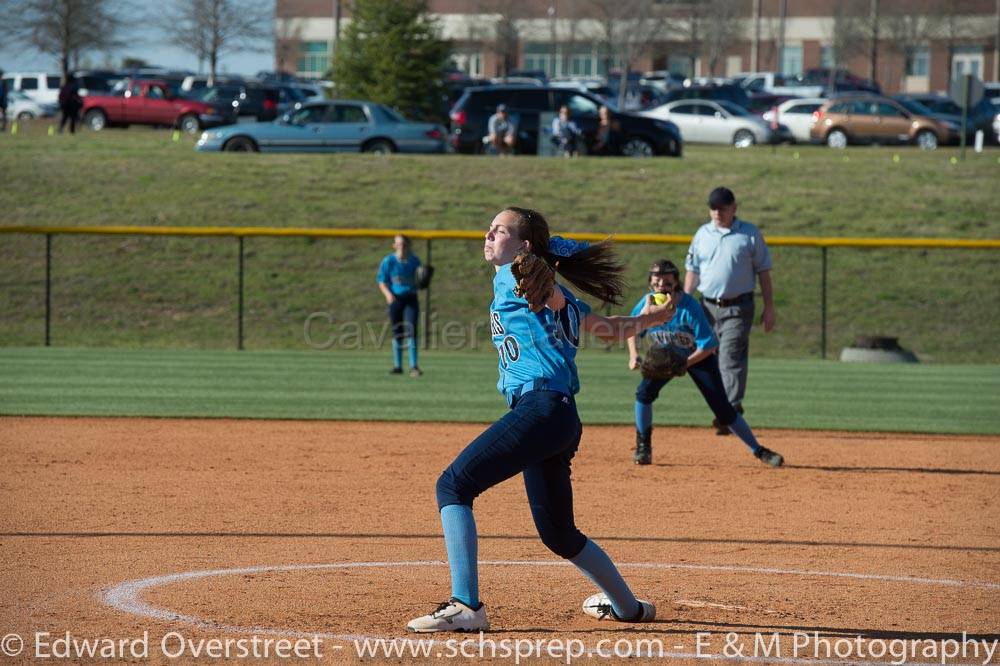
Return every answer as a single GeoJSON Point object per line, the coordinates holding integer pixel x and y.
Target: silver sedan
{"type": "Point", "coordinates": [714, 121]}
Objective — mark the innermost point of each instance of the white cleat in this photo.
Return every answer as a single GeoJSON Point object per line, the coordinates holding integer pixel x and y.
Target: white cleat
{"type": "Point", "coordinates": [451, 615]}
{"type": "Point", "coordinates": [599, 606]}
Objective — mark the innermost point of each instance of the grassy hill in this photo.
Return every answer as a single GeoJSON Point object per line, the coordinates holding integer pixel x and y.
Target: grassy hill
{"type": "Point", "coordinates": [181, 292]}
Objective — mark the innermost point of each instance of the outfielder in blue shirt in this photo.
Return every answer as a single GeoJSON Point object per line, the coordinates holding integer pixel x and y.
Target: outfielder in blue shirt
{"type": "Point", "coordinates": [690, 330]}
{"type": "Point", "coordinates": [397, 280]}
{"type": "Point", "coordinates": [540, 434]}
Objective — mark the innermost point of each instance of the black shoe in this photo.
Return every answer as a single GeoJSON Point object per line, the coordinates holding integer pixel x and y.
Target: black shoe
{"type": "Point", "coordinates": [769, 457]}
{"type": "Point", "coordinates": [720, 429]}
{"type": "Point", "coordinates": [643, 448]}
{"type": "Point", "coordinates": [396, 371]}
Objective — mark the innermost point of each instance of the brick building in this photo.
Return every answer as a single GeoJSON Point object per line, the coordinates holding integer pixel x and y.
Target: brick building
{"type": "Point", "coordinates": [920, 44]}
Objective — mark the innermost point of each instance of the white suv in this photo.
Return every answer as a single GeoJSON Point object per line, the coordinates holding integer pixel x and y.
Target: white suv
{"type": "Point", "coordinates": [39, 86]}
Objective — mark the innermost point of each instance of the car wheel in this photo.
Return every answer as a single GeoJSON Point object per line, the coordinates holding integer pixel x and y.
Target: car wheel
{"type": "Point", "coordinates": [743, 139]}
{"type": "Point", "coordinates": [637, 148]}
{"type": "Point", "coordinates": [836, 139]}
{"type": "Point", "coordinates": [25, 115]}
{"type": "Point", "coordinates": [95, 120]}
{"type": "Point", "coordinates": [927, 140]}
{"type": "Point", "coordinates": [189, 123]}
{"type": "Point", "coordinates": [379, 146]}
{"type": "Point", "coordinates": [240, 144]}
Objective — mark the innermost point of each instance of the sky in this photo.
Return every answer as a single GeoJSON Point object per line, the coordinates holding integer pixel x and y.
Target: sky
{"type": "Point", "coordinates": [145, 44]}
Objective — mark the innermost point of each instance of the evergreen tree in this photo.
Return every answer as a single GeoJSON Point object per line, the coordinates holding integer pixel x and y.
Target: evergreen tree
{"type": "Point", "coordinates": [391, 52]}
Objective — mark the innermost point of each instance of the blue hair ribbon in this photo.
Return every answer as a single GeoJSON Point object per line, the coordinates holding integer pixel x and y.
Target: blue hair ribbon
{"type": "Point", "coordinates": [565, 247]}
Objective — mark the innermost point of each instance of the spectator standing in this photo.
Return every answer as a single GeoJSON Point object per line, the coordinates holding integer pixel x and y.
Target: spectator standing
{"type": "Point", "coordinates": [70, 104]}
{"type": "Point", "coordinates": [3, 104]}
{"type": "Point", "coordinates": [726, 257]}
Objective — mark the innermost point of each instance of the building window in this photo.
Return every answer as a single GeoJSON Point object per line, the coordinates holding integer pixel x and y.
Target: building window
{"type": "Point", "coordinates": [791, 60]}
{"type": "Point", "coordinates": [918, 61]}
{"type": "Point", "coordinates": [314, 58]}
{"type": "Point", "coordinates": [826, 57]}
{"type": "Point", "coordinates": [966, 60]}
{"type": "Point", "coordinates": [470, 62]}
{"type": "Point", "coordinates": [680, 64]}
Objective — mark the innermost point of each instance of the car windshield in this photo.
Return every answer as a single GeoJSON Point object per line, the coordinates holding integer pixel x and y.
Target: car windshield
{"type": "Point", "coordinates": [734, 109]}
{"type": "Point", "coordinates": [913, 106]}
{"type": "Point", "coordinates": [214, 94]}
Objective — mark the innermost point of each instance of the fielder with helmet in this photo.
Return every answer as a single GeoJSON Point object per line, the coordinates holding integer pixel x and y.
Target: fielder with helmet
{"type": "Point", "coordinates": [684, 345]}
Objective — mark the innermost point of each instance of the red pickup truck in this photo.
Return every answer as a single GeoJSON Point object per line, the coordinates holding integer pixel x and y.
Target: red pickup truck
{"type": "Point", "coordinates": [151, 102]}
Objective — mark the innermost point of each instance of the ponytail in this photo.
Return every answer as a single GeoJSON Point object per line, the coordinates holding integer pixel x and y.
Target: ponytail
{"type": "Point", "coordinates": [591, 268]}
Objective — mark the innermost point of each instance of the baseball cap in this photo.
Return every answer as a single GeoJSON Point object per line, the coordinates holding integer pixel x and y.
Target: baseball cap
{"type": "Point", "coordinates": [501, 107]}
{"type": "Point", "coordinates": [721, 197]}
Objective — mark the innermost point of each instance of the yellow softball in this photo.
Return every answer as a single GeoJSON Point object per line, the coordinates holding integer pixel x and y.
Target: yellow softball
{"type": "Point", "coordinates": [660, 299]}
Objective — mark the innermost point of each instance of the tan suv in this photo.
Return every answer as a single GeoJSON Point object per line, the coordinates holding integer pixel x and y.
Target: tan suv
{"type": "Point", "coordinates": [871, 119]}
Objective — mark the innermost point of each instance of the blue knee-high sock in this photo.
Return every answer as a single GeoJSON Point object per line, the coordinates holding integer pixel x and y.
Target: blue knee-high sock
{"type": "Point", "coordinates": [397, 353]}
{"type": "Point", "coordinates": [599, 568]}
{"type": "Point", "coordinates": [461, 542]}
{"type": "Point", "coordinates": [413, 352]}
{"type": "Point", "coordinates": [643, 417]}
{"type": "Point", "coordinates": [741, 429]}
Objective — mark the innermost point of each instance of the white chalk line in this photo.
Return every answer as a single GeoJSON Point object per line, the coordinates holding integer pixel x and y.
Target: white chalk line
{"type": "Point", "coordinates": [126, 597]}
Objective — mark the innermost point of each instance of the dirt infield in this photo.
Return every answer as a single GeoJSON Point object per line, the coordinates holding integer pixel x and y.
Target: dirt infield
{"type": "Point", "coordinates": [722, 544]}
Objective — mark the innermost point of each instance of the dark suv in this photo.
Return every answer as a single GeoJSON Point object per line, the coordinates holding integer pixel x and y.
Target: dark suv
{"type": "Point", "coordinates": [639, 136]}
{"type": "Point", "coordinates": [252, 101]}
{"type": "Point", "coordinates": [728, 92]}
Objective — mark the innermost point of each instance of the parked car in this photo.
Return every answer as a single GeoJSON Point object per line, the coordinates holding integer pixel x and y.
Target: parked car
{"type": "Point", "coordinates": [797, 116]}
{"type": "Point", "coordinates": [727, 92]}
{"type": "Point", "coordinates": [942, 108]}
{"type": "Point", "coordinates": [707, 121]}
{"type": "Point", "coordinates": [97, 81]}
{"type": "Point", "coordinates": [640, 136]}
{"type": "Point", "coordinates": [39, 86]}
{"type": "Point", "coordinates": [22, 107]}
{"type": "Point", "coordinates": [763, 102]}
{"type": "Point", "coordinates": [151, 102]}
{"type": "Point", "coordinates": [872, 119]}
{"type": "Point", "coordinates": [332, 126]}
{"type": "Point", "coordinates": [824, 82]}
{"type": "Point", "coordinates": [252, 102]}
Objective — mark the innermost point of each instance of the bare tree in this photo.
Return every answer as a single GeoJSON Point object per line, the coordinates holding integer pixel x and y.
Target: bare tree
{"type": "Point", "coordinates": [64, 29]}
{"type": "Point", "coordinates": [628, 28]}
{"type": "Point", "coordinates": [210, 28]}
{"type": "Point", "coordinates": [287, 44]}
{"type": "Point", "coordinates": [506, 30]}
{"type": "Point", "coordinates": [720, 27]}
{"type": "Point", "coordinates": [947, 24]}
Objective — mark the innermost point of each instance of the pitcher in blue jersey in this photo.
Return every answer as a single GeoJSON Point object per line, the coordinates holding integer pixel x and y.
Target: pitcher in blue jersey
{"type": "Point", "coordinates": [540, 434]}
{"type": "Point", "coordinates": [397, 281]}
{"type": "Point", "coordinates": [689, 329]}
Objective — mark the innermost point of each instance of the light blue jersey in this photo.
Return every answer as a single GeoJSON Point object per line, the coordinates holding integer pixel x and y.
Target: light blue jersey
{"type": "Point", "coordinates": [399, 275]}
{"type": "Point", "coordinates": [534, 345]}
{"type": "Point", "coordinates": [688, 328]}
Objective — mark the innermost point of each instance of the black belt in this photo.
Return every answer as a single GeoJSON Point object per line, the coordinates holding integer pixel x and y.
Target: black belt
{"type": "Point", "coordinates": [726, 302]}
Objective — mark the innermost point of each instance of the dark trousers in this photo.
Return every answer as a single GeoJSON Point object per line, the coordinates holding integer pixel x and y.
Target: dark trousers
{"type": "Point", "coordinates": [537, 439]}
{"type": "Point", "coordinates": [403, 314]}
{"type": "Point", "coordinates": [69, 114]}
{"type": "Point", "coordinates": [707, 378]}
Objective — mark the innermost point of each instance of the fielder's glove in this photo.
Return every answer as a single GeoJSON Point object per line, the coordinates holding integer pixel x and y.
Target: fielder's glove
{"type": "Point", "coordinates": [535, 279]}
{"type": "Point", "coordinates": [664, 362]}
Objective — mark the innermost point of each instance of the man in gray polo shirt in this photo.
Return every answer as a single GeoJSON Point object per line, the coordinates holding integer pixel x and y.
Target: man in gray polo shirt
{"type": "Point", "coordinates": [726, 257]}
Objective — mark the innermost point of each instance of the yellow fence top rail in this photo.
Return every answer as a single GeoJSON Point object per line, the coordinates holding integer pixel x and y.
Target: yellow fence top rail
{"type": "Point", "coordinates": [674, 239]}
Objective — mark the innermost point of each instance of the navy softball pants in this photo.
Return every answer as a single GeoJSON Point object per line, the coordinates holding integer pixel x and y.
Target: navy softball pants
{"type": "Point", "coordinates": [707, 378]}
{"type": "Point", "coordinates": [537, 438]}
{"type": "Point", "coordinates": [403, 314]}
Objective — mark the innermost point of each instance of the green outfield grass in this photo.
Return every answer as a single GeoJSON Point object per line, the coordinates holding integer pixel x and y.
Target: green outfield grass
{"type": "Point", "coordinates": [181, 293]}
{"type": "Point", "coordinates": [460, 387]}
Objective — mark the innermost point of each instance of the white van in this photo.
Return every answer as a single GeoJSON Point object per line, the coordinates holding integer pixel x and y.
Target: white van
{"type": "Point", "coordinates": [39, 86]}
